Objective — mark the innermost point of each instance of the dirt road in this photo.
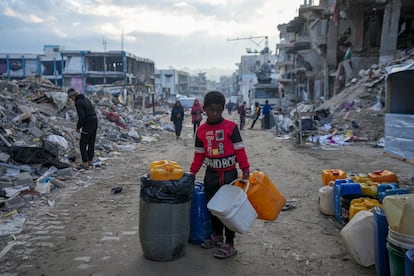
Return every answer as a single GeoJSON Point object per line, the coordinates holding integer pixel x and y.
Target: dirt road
{"type": "Point", "coordinates": [90, 231]}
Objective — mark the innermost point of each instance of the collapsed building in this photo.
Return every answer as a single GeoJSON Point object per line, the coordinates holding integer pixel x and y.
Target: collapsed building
{"type": "Point", "coordinates": [326, 45]}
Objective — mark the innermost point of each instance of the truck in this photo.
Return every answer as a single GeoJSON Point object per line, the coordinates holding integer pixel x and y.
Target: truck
{"type": "Point", "coordinates": [266, 88]}
{"type": "Point", "coordinates": [266, 91]}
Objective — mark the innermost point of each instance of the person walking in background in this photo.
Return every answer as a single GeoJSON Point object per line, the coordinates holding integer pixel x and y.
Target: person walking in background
{"type": "Point", "coordinates": [267, 109]}
{"type": "Point", "coordinates": [219, 145]}
{"type": "Point", "coordinates": [242, 115]}
{"type": "Point", "coordinates": [256, 114]}
{"type": "Point", "coordinates": [177, 117]}
{"type": "Point", "coordinates": [229, 107]}
{"type": "Point", "coordinates": [87, 125]}
{"type": "Point", "coordinates": [196, 115]}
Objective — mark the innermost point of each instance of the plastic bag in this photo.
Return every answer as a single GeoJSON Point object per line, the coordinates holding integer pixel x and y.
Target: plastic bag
{"type": "Point", "coordinates": [171, 191]}
{"type": "Point", "coordinates": [13, 226]}
{"type": "Point", "coordinates": [58, 141]}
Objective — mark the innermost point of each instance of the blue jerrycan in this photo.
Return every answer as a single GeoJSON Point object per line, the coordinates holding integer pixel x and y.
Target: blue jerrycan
{"type": "Point", "coordinates": [200, 223]}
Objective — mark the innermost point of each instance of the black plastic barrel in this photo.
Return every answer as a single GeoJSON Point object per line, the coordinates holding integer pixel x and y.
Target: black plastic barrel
{"type": "Point", "coordinates": [164, 217]}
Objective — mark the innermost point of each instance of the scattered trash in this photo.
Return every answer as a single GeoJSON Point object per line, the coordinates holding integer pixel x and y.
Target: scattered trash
{"type": "Point", "coordinates": [288, 206]}
{"type": "Point", "coordinates": [116, 190]}
{"type": "Point", "coordinates": [12, 226]}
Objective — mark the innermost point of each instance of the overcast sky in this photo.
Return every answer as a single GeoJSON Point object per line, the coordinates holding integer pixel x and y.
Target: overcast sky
{"type": "Point", "coordinates": [187, 35]}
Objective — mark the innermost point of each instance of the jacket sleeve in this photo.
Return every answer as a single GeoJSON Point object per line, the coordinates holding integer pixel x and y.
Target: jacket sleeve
{"type": "Point", "coordinates": [240, 151]}
{"type": "Point", "coordinates": [81, 115]}
{"type": "Point", "coordinates": [199, 155]}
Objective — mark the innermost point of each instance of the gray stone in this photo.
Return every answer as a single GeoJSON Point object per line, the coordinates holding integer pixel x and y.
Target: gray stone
{"type": "Point", "coordinates": [24, 178]}
{"type": "Point", "coordinates": [4, 157]}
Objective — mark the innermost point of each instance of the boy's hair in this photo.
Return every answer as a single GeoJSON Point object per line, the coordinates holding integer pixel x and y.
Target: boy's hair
{"type": "Point", "coordinates": [214, 97]}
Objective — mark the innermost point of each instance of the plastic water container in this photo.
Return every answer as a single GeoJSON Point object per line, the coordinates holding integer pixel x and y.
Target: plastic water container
{"type": "Point", "coordinates": [399, 210]}
{"type": "Point", "coordinates": [343, 187]}
{"type": "Point", "coordinates": [231, 206]}
{"type": "Point", "coordinates": [163, 170]}
{"type": "Point", "coordinates": [409, 262]}
{"type": "Point", "coordinates": [358, 236]}
{"type": "Point", "coordinates": [360, 204]}
{"type": "Point", "coordinates": [382, 188]}
{"type": "Point", "coordinates": [329, 175]}
{"type": "Point", "coordinates": [369, 188]}
{"type": "Point", "coordinates": [383, 176]}
{"type": "Point", "coordinates": [264, 196]}
{"type": "Point", "coordinates": [326, 200]}
{"type": "Point", "coordinates": [360, 178]}
{"type": "Point", "coordinates": [396, 253]}
{"type": "Point", "coordinates": [200, 221]}
{"type": "Point", "coordinates": [382, 265]}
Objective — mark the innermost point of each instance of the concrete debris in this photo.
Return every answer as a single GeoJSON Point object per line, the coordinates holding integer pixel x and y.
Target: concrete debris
{"type": "Point", "coordinates": [39, 148]}
{"type": "Point", "coordinates": [360, 107]}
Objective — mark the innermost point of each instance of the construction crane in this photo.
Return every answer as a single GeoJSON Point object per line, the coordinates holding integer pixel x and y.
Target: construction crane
{"type": "Point", "coordinates": [252, 39]}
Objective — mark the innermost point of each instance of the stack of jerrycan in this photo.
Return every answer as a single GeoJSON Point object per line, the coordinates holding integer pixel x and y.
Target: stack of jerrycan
{"type": "Point", "coordinates": [326, 192]}
{"type": "Point", "coordinates": [399, 211]}
{"type": "Point", "coordinates": [163, 170]}
{"type": "Point", "coordinates": [264, 196]}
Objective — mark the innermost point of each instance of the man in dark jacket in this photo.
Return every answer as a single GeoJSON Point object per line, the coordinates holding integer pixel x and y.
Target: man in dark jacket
{"type": "Point", "coordinates": [87, 125]}
{"type": "Point", "coordinates": [177, 116]}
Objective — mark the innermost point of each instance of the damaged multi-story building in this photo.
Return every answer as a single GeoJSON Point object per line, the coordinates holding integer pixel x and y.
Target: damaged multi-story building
{"type": "Point", "coordinates": [118, 71]}
{"type": "Point", "coordinates": [326, 45]}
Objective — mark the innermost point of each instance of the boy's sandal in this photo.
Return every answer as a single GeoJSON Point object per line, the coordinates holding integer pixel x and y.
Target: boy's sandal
{"type": "Point", "coordinates": [225, 251]}
{"type": "Point", "coordinates": [212, 242]}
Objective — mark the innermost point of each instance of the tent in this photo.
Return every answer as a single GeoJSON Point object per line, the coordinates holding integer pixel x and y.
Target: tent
{"type": "Point", "coordinates": [399, 117]}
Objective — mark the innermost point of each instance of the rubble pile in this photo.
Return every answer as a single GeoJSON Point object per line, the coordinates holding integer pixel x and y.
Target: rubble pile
{"type": "Point", "coordinates": [360, 107]}
{"type": "Point", "coordinates": [39, 142]}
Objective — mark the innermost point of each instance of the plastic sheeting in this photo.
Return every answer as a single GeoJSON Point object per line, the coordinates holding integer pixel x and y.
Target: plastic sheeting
{"type": "Point", "coordinates": [172, 191]}
{"type": "Point", "coordinates": [399, 135]}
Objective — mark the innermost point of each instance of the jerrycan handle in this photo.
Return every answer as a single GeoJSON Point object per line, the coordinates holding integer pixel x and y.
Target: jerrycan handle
{"type": "Point", "coordinates": [199, 186]}
{"type": "Point", "coordinates": [246, 184]}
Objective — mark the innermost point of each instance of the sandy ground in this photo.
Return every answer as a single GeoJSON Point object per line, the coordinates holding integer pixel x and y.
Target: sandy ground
{"type": "Point", "coordinates": [90, 231]}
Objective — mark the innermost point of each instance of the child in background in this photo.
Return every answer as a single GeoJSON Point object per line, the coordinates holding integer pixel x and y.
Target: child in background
{"type": "Point", "coordinates": [196, 115]}
{"type": "Point", "coordinates": [219, 145]}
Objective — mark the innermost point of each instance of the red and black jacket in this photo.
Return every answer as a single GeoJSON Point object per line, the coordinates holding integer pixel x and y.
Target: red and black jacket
{"type": "Point", "coordinates": [220, 147]}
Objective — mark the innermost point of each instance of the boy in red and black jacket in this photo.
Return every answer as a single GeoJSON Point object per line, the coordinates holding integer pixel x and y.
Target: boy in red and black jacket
{"type": "Point", "coordinates": [219, 145]}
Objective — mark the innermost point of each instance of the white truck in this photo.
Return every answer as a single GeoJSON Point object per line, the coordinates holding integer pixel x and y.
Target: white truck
{"type": "Point", "coordinates": [266, 91]}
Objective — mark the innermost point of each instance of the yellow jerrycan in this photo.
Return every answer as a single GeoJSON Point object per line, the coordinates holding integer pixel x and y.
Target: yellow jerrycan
{"type": "Point", "coordinates": [163, 170]}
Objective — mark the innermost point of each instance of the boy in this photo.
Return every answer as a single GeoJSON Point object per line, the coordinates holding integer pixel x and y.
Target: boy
{"type": "Point", "coordinates": [219, 145]}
